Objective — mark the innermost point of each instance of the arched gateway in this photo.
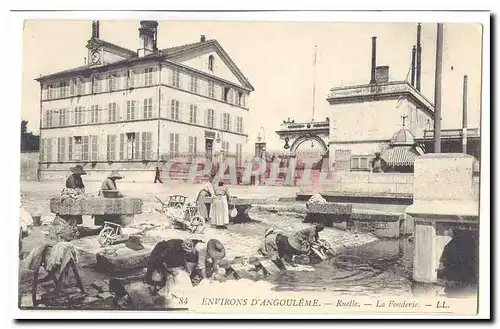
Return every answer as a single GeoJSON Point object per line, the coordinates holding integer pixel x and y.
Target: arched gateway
{"type": "Point", "coordinates": [305, 138]}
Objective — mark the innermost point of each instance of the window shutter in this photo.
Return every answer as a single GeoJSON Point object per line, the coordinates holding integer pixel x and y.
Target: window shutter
{"type": "Point", "coordinates": [144, 149]}
{"type": "Point", "coordinates": [122, 146]}
{"type": "Point", "coordinates": [222, 121]}
{"type": "Point", "coordinates": [70, 148]}
{"type": "Point", "coordinates": [137, 145]}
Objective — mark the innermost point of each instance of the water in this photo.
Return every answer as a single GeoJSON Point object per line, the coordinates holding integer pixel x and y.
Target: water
{"type": "Point", "coordinates": [383, 267]}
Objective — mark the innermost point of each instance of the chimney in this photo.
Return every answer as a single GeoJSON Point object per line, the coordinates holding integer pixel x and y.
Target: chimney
{"type": "Point", "coordinates": [202, 38]}
{"type": "Point", "coordinates": [95, 30]}
{"type": "Point", "coordinates": [148, 38]}
{"type": "Point", "coordinates": [419, 56]}
{"type": "Point", "coordinates": [382, 74]}
{"type": "Point", "coordinates": [413, 54]}
{"type": "Point", "coordinates": [374, 60]}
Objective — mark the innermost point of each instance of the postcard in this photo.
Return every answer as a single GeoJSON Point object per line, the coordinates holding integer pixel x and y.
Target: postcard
{"type": "Point", "coordinates": [234, 164]}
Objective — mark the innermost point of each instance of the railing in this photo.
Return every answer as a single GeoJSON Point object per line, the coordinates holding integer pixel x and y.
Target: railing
{"type": "Point", "coordinates": [379, 88]}
{"type": "Point", "coordinates": [452, 133]}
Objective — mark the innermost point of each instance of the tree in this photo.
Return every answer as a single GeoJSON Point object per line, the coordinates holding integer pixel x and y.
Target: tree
{"type": "Point", "coordinates": [24, 126]}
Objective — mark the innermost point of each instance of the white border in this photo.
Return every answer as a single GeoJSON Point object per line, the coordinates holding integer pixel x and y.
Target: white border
{"type": "Point", "coordinates": [15, 93]}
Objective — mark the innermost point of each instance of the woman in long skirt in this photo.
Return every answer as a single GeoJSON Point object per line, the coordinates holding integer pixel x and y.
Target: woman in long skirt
{"type": "Point", "coordinates": [219, 210]}
{"type": "Point", "coordinates": [208, 190]}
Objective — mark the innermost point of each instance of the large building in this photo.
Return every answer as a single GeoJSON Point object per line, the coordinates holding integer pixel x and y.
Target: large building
{"type": "Point", "coordinates": [133, 110]}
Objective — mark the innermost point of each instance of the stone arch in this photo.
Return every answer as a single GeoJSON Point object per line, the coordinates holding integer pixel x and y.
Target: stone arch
{"type": "Point", "coordinates": [304, 138]}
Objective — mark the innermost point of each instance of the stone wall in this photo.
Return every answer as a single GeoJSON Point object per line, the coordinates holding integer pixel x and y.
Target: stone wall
{"type": "Point", "coordinates": [29, 166]}
{"type": "Point", "coordinates": [366, 183]}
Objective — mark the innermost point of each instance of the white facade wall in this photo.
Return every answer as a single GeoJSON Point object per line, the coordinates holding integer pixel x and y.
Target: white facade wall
{"type": "Point", "coordinates": [153, 117]}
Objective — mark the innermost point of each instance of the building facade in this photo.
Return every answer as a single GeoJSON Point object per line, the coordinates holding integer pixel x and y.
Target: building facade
{"type": "Point", "coordinates": [135, 110]}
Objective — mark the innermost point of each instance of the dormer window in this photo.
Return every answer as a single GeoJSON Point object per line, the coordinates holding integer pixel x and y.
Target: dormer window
{"type": "Point", "coordinates": [211, 63]}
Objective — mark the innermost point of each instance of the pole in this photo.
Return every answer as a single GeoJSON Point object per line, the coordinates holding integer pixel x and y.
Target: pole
{"type": "Point", "coordinates": [419, 56]}
{"type": "Point", "coordinates": [464, 117]}
{"type": "Point", "coordinates": [437, 89]}
{"type": "Point", "coordinates": [413, 53]}
{"type": "Point", "coordinates": [314, 83]}
{"type": "Point", "coordinates": [374, 60]}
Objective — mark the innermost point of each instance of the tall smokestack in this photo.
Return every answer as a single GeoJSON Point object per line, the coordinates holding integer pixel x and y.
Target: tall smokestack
{"type": "Point", "coordinates": [437, 89]}
{"type": "Point", "coordinates": [413, 53]}
{"type": "Point", "coordinates": [464, 117]}
{"type": "Point", "coordinates": [95, 30]}
{"type": "Point", "coordinates": [374, 59]}
{"type": "Point", "coordinates": [419, 56]}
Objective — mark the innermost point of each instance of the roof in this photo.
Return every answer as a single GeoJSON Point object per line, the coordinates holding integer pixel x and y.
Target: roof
{"type": "Point", "coordinates": [400, 155]}
{"type": "Point", "coordinates": [166, 53]}
{"type": "Point", "coordinates": [403, 137]}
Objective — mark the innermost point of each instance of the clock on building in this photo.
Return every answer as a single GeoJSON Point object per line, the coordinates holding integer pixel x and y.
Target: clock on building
{"type": "Point", "coordinates": [95, 57]}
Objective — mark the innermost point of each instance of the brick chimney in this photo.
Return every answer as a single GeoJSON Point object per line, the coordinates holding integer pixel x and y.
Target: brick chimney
{"type": "Point", "coordinates": [202, 38]}
{"type": "Point", "coordinates": [382, 74]}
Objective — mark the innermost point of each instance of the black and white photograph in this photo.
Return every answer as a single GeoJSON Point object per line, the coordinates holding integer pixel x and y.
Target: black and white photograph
{"type": "Point", "coordinates": [203, 166]}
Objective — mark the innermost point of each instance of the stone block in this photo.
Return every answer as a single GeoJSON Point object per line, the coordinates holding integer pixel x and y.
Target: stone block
{"type": "Point", "coordinates": [444, 176]}
{"type": "Point", "coordinates": [269, 267]}
{"type": "Point", "coordinates": [329, 208]}
{"type": "Point", "coordinates": [123, 259]}
{"type": "Point", "coordinates": [99, 285]}
{"type": "Point", "coordinates": [381, 224]}
{"type": "Point", "coordinates": [96, 206]}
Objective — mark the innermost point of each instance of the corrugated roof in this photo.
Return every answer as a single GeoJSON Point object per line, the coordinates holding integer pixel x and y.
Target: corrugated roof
{"type": "Point", "coordinates": [400, 156]}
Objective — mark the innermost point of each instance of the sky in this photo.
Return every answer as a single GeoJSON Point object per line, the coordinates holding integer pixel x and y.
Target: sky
{"type": "Point", "coordinates": [277, 58]}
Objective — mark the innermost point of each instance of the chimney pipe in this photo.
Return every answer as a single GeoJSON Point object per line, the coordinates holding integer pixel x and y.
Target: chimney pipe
{"type": "Point", "coordinates": [437, 89]}
{"type": "Point", "coordinates": [413, 53]}
{"type": "Point", "coordinates": [419, 56]}
{"type": "Point", "coordinates": [95, 30]}
{"type": "Point", "coordinates": [202, 38]}
{"type": "Point", "coordinates": [464, 117]}
{"type": "Point", "coordinates": [374, 60]}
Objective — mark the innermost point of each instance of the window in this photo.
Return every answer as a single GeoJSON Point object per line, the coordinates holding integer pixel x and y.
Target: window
{"type": "Point", "coordinates": [114, 82]}
{"type": "Point", "coordinates": [174, 144]}
{"type": "Point", "coordinates": [211, 89]}
{"type": "Point", "coordinates": [61, 147]}
{"type": "Point", "coordinates": [129, 146]}
{"type": "Point", "coordinates": [79, 115]}
{"type": "Point", "coordinates": [147, 143]}
{"type": "Point", "coordinates": [85, 148]}
{"type": "Point", "coordinates": [80, 87]}
{"type": "Point", "coordinates": [107, 85]}
{"type": "Point", "coordinates": [131, 79]}
{"type": "Point", "coordinates": [94, 114]}
{"type": "Point", "coordinates": [239, 154]}
{"type": "Point", "coordinates": [243, 100]}
{"type": "Point", "coordinates": [225, 147]}
{"type": "Point", "coordinates": [72, 85]}
{"type": "Point", "coordinates": [174, 110]}
{"type": "Point", "coordinates": [193, 141]}
{"type": "Point", "coordinates": [175, 78]}
{"type": "Point", "coordinates": [360, 163]}
{"type": "Point", "coordinates": [193, 113]}
{"type": "Point", "coordinates": [111, 148]}
{"type": "Point", "coordinates": [96, 85]}
{"type": "Point", "coordinates": [148, 108]}
{"type": "Point", "coordinates": [112, 109]}
{"type": "Point", "coordinates": [194, 85]}
{"type": "Point", "coordinates": [49, 114]}
{"type": "Point", "coordinates": [130, 110]}
{"type": "Point", "coordinates": [239, 125]}
{"type": "Point", "coordinates": [148, 77]}
{"type": "Point", "coordinates": [64, 89]}
{"type": "Point", "coordinates": [211, 62]}
{"type": "Point", "coordinates": [239, 100]}
{"type": "Point", "coordinates": [63, 117]}
{"type": "Point", "coordinates": [225, 121]}
{"type": "Point", "coordinates": [51, 92]}
{"type": "Point", "coordinates": [77, 148]}
{"type": "Point", "coordinates": [211, 118]}
{"type": "Point", "coordinates": [230, 95]}
{"type": "Point", "coordinates": [225, 92]}
{"type": "Point", "coordinates": [95, 148]}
